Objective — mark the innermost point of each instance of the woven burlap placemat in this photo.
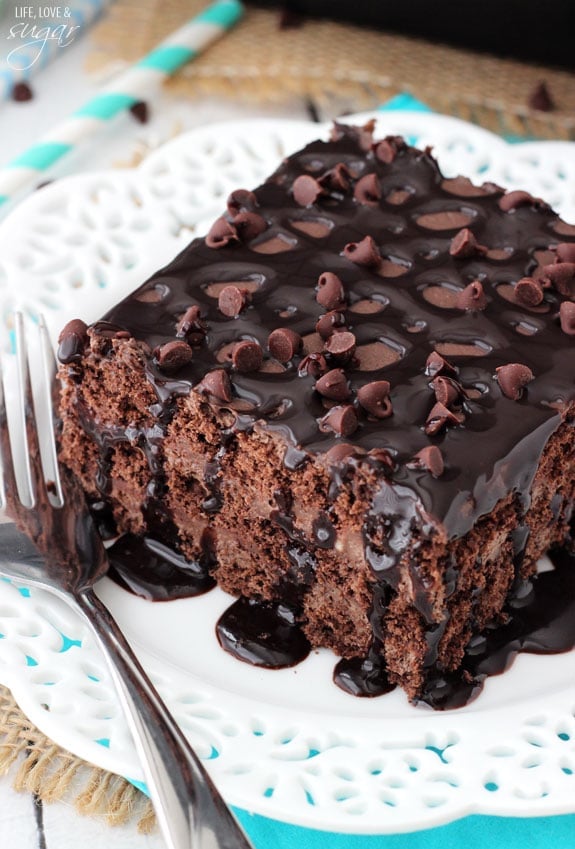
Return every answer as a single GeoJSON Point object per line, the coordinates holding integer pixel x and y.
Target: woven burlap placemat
{"type": "Point", "coordinates": [37, 765]}
{"type": "Point", "coordinates": [343, 68]}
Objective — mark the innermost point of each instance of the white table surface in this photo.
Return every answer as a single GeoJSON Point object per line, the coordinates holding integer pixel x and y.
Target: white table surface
{"type": "Point", "coordinates": [58, 90]}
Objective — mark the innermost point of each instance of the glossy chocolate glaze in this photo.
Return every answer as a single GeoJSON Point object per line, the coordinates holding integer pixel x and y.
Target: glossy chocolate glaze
{"type": "Point", "coordinates": [507, 435]}
{"type": "Point", "coordinates": [425, 265]}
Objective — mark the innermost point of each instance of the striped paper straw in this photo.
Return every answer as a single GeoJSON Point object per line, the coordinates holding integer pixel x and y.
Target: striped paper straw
{"type": "Point", "coordinates": [130, 87]}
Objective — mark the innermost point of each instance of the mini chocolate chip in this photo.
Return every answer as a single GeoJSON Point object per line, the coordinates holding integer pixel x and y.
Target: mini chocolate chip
{"type": "Point", "coordinates": [386, 150]}
{"type": "Point", "coordinates": [367, 190]}
{"type": "Point", "coordinates": [173, 355]}
{"type": "Point", "coordinates": [338, 131]}
{"type": "Point", "coordinates": [492, 188]}
{"type": "Point", "coordinates": [436, 364]}
{"type": "Point", "coordinates": [330, 291]}
{"type": "Point", "coordinates": [21, 92]}
{"type": "Point", "coordinates": [249, 225]}
{"type": "Point", "coordinates": [72, 341]}
{"type": "Point", "coordinates": [446, 390]}
{"type": "Point", "coordinates": [191, 327]}
{"type": "Point", "coordinates": [247, 356]}
{"type": "Point", "coordinates": [364, 252]}
{"type": "Point", "coordinates": [562, 276]}
{"type": "Point", "coordinates": [340, 452]}
{"type": "Point", "coordinates": [140, 111]}
{"type": "Point", "coordinates": [528, 292]}
{"type": "Point", "coordinates": [231, 301]}
{"type": "Point", "coordinates": [328, 322]}
{"type": "Point", "coordinates": [76, 326]}
{"type": "Point", "coordinates": [313, 365]}
{"type": "Point", "coordinates": [540, 98]}
{"type": "Point", "coordinates": [439, 417]}
{"type": "Point", "coordinates": [334, 385]}
{"type": "Point", "coordinates": [221, 233]}
{"type": "Point", "coordinates": [464, 244]}
{"type": "Point", "coordinates": [216, 383]}
{"type": "Point", "coordinates": [472, 297]}
{"type": "Point", "coordinates": [512, 200]}
{"type": "Point", "coordinates": [563, 228]}
{"type": "Point", "coordinates": [429, 458]}
{"type": "Point", "coordinates": [565, 252]}
{"type": "Point", "coordinates": [567, 317]}
{"type": "Point", "coordinates": [284, 344]}
{"type": "Point", "coordinates": [337, 178]}
{"type": "Point", "coordinates": [341, 345]}
{"type": "Point", "coordinates": [306, 190]}
{"type": "Point", "coordinates": [374, 398]}
{"type": "Point", "coordinates": [189, 319]}
{"type": "Point", "coordinates": [365, 135]}
{"type": "Point", "coordinates": [241, 200]}
{"type": "Point", "coordinates": [512, 378]}
{"type": "Point", "coordinates": [342, 420]}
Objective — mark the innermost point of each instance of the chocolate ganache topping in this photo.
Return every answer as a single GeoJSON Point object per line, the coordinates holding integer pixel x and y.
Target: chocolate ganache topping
{"type": "Point", "coordinates": [367, 310]}
{"type": "Point", "coordinates": [342, 295]}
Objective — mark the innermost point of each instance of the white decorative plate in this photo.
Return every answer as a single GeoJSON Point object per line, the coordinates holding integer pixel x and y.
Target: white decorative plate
{"type": "Point", "coordinates": [286, 744]}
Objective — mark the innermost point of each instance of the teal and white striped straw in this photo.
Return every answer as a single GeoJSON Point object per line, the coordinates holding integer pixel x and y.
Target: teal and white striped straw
{"type": "Point", "coordinates": [130, 87]}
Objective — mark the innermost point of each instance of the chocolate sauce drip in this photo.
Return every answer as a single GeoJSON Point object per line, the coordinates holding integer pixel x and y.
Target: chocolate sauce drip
{"type": "Point", "coordinates": [262, 634]}
{"type": "Point", "coordinates": [149, 569]}
{"type": "Point", "coordinates": [104, 519]}
{"type": "Point", "coordinates": [323, 531]}
{"type": "Point", "coordinates": [540, 620]}
{"type": "Point", "coordinates": [367, 676]}
{"type": "Point", "coordinates": [363, 676]}
{"type": "Point", "coordinates": [213, 502]}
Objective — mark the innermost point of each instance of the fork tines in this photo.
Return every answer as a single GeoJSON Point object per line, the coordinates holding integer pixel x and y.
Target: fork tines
{"type": "Point", "coordinates": [28, 457]}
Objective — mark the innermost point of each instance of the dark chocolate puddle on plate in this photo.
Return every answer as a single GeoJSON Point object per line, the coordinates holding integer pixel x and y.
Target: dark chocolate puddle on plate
{"type": "Point", "coordinates": [540, 620]}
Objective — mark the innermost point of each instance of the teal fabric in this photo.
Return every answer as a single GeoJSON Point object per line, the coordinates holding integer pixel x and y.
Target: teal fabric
{"type": "Point", "coordinates": [474, 832]}
{"type": "Point", "coordinates": [405, 102]}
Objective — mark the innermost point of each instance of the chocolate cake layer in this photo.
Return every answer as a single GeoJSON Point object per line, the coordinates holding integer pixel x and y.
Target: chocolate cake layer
{"type": "Point", "coordinates": [352, 398]}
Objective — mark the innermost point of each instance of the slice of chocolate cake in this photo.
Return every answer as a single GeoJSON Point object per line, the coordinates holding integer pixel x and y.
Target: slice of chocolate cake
{"type": "Point", "coordinates": [350, 405]}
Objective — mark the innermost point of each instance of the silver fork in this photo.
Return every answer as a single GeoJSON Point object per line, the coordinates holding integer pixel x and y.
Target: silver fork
{"type": "Point", "coordinates": [67, 558]}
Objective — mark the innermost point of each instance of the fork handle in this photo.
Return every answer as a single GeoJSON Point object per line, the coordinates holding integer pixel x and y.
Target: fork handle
{"type": "Point", "coordinates": [190, 810]}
